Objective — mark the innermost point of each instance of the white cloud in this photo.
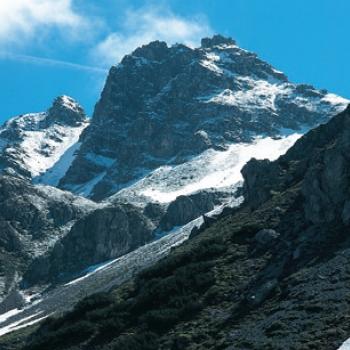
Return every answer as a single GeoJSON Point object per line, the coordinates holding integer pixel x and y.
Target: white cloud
{"type": "Point", "coordinates": [22, 19]}
{"type": "Point", "coordinates": [144, 25]}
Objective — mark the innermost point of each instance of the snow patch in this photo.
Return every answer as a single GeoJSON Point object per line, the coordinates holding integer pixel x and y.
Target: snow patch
{"type": "Point", "coordinates": [86, 189]}
{"type": "Point", "coordinates": [335, 100]}
{"type": "Point", "coordinates": [209, 63]}
{"type": "Point", "coordinates": [9, 314]}
{"type": "Point", "coordinates": [345, 345]}
{"type": "Point", "coordinates": [69, 103]}
{"type": "Point", "coordinates": [219, 169]}
{"type": "Point", "coordinates": [22, 323]}
{"type": "Point", "coordinates": [53, 175]}
{"type": "Point", "coordinates": [251, 95]}
{"type": "Point", "coordinates": [42, 149]}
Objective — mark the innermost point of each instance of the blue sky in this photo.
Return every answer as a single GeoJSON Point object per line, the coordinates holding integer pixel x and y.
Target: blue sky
{"type": "Point", "coordinates": [54, 47]}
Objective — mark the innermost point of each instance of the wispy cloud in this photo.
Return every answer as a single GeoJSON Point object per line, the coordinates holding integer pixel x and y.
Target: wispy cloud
{"type": "Point", "coordinates": [21, 20]}
{"type": "Point", "coordinates": [33, 23]}
{"type": "Point", "coordinates": [147, 24]}
{"type": "Point", "coordinates": [51, 62]}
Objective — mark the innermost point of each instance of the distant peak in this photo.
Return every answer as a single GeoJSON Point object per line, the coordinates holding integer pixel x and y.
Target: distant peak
{"type": "Point", "coordinates": [66, 110]}
{"type": "Point", "coordinates": [66, 102]}
{"type": "Point", "coordinates": [217, 40]}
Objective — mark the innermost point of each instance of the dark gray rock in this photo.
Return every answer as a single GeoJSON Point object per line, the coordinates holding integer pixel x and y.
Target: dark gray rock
{"type": "Point", "coordinates": [154, 211]}
{"type": "Point", "coordinates": [102, 235]}
{"type": "Point", "coordinates": [261, 293]}
{"type": "Point", "coordinates": [31, 220]}
{"type": "Point", "coordinates": [318, 163]}
{"type": "Point", "coordinates": [187, 208]}
{"type": "Point", "coordinates": [216, 40]}
{"type": "Point", "coordinates": [65, 111]}
{"type": "Point", "coordinates": [14, 300]}
{"type": "Point", "coordinates": [264, 238]}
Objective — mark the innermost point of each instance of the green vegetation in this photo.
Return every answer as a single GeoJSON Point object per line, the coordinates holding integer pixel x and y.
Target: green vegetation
{"type": "Point", "coordinates": [135, 316]}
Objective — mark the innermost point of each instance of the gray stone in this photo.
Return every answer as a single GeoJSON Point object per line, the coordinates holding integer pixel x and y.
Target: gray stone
{"type": "Point", "coordinates": [264, 238]}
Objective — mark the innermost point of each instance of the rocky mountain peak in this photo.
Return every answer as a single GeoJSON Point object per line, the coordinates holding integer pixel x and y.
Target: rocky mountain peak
{"type": "Point", "coordinates": [31, 144]}
{"type": "Point", "coordinates": [163, 104]}
{"type": "Point", "coordinates": [217, 40]}
{"type": "Point", "coordinates": [65, 110]}
{"type": "Point", "coordinates": [154, 51]}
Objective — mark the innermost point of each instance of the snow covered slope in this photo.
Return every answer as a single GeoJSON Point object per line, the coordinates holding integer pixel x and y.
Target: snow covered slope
{"type": "Point", "coordinates": [43, 144]}
{"type": "Point", "coordinates": [211, 170]}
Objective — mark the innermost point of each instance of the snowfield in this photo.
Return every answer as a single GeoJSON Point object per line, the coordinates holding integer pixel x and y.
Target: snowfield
{"type": "Point", "coordinates": [43, 149]}
{"type": "Point", "coordinates": [254, 94]}
{"type": "Point", "coordinates": [220, 170]}
{"type": "Point", "coordinates": [345, 345]}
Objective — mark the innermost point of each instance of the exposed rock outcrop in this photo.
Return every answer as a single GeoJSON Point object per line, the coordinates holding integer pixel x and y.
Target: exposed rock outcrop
{"type": "Point", "coordinates": [187, 208]}
{"type": "Point", "coordinates": [319, 162]}
{"type": "Point", "coordinates": [32, 219]}
{"type": "Point", "coordinates": [102, 235]}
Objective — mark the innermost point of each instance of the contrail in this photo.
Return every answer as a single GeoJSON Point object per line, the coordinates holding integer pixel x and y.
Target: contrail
{"type": "Point", "coordinates": [50, 62]}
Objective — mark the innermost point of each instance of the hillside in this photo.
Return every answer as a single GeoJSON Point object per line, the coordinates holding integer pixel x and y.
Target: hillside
{"type": "Point", "coordinates": [273, 274]}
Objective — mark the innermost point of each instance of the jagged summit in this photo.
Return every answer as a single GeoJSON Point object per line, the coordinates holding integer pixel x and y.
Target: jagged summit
{"type": "Point", "coordinates": [154, 51]}
{"type": "Point", "coordinates": [164, 104]}
{"type": "Point", "coordinates": [32, 144]}
{"type": "Point", "coordinates": [217, 40]}
{"type": "Point", "coordinates": [65, 110]}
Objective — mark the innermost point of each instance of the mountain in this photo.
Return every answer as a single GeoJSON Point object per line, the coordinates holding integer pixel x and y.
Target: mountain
{"type": "Point", "coordinates": [272, 274]}
{"type": "Point", "coordinates": [200, 171]}
{"type": "Point", "coordinates": [40, 146]}
{"type": "Point", "coordinates": [162, 106]}
{"type": "Point", "coordinates": [158, 162]}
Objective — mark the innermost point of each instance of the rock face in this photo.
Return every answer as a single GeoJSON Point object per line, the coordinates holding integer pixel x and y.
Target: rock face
{"type": "Point", "coordinates": [48, 235]}
{"type": "Point", "coordinates": [32, 219]}
{"type": "Point", "coordinates": [33, 144]}
{"type": "Point", "coordinates": [320, 162]}
{"type": "Point", "coordinates": [163, 104]}
{"type": "Point", "coordinates": [187, 208]}
{"type": "Point", "coordinates": [102, 235]}
{"type": "Point", "coordinates": [65, 111]}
